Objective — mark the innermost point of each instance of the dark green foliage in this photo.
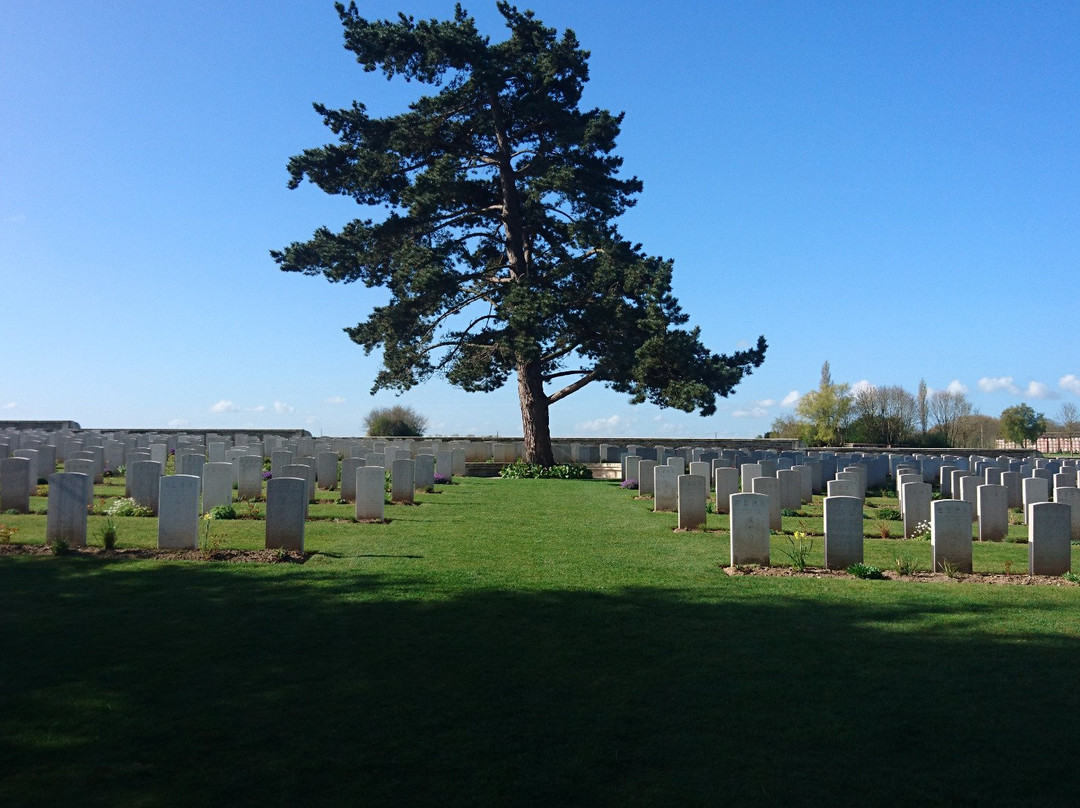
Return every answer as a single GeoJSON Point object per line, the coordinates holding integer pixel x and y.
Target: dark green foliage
{"type": "Point", "coordinates": [395, 422]}
{"type": "Point", "coordinates": [860, 570]}
{"type": "Point", "coordinates": [889, 513]}
{"type": "Point", "coordinates": [1021, 424]}
{"type": "Point", "coordinates": [497, 241]}
{"type": "Point", "coordinates": [222, 512]}
{"type": "Point", "coordinates": [519, 469]}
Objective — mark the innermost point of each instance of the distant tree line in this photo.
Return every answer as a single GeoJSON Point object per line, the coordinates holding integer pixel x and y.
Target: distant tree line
{"type": "Point", "coordinates": [833, 415]}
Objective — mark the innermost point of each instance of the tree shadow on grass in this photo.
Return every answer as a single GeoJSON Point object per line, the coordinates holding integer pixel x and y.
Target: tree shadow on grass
{"type": "Point", "coordinates": [182, 684]}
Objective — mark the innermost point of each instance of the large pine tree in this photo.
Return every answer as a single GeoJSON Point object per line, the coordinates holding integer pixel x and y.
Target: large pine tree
{"type": "Point", "coordinates": [498, 241]}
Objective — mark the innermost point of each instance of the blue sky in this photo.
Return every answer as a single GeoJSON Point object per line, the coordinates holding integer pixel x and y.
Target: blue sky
{"type": "Point", "coordinates": [892, 187]}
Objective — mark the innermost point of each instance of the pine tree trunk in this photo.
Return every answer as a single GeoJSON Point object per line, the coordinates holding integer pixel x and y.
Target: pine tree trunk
{"type": "Point", "coordinates": [534, 415]}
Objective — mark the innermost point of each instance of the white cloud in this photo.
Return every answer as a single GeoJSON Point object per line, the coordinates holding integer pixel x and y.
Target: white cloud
{"type": "Point", "coordinates": [742, 345]}
{"type": "Point", "coordinates": [311, 419]}
{"type": "Point", "coordinates": [281, 408]}
{"type": "Point", "coordinates": [224, 406]}
{"type": "Point", "coordinates": [754, 412]}
{"type": "Point", "coordinates": [860, 385]}
{"type": "Point", "coordinates": [10, 405]}
{"type": "Point", "coordinates": [791, 399]}
{"type": "Point", "coordinates": [601, 425]}
{"type": "Point", "coordinates": [335, 400]}
{"type": "Point", "coordinates": [956, 386]}
{"type": "Point", "coordinates": [260, 408]}
{"type": "Point", "coordinates": [1040, 390]}
{"type": "Point", "coordinates": [1001, 383]}
{"type": "Point", "coordinates": [1070, 383]}
{"type": "Point", "coordinates": [767, 402]}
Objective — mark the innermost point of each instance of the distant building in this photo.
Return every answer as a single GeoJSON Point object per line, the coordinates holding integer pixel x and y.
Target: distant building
{"type": "Point", "coordinates": [1049, 443]}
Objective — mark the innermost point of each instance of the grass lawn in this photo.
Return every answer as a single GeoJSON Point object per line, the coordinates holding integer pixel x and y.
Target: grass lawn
{"type": "Point", "coordinates": [529, 642]}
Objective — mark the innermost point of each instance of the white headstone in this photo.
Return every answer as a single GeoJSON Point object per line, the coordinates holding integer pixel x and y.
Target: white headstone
{"type": "Point", "coordinates": [403, 480]}
{"type": "Point", "coordinates": [370, 493]}
{"type": "Point", "coordinates": [843, 532]}
{"type": "Point", "coordinates": [950, 534]}
{"type": "Point", "coordinates": [249, 478]}
{"type": "Point", "coordinates": [424, 472]}
{"type": "Point", "coordinates": [145, 476]}
{"type": "Point", "coordinates": [216, 485]}
{"type": "Point", "coordinates": [178, 512]}
{"type": "Point", "coordinates": [15, 484]}
{"type": "Point", "coordinates": [726, 482]}
{"type": "Point", "coordinates": [993, 507]}
{"type": "Point", "coordinates": [1049, 550]}
{"type": "Point", "coordinates": [1070, 497]}
{"type": "Point", "coordinates": [692, 493]}
{"type": "Point", "coordinates": [665, 487]}
{"type": "Point", "coordinates": [326, 471]}
{"type": "Point", "coordinates": [286, 510]}
{"type": "Point", "coordinates": [66, 518]}
{"type": "Point", "coordinates": [749, 529]}
{"type": "Point", "coordinates": [916, 506]}
{"type": "Point", "coordinates": [647, 478]}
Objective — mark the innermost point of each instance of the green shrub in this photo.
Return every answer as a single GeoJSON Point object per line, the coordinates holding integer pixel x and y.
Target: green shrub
{"type": "Point", "coordinates": [890, 514]}
{"type": "Point", "coordinates": [519, 470]}
{"type": "Point", "coordinates": [223, 512]}
{"type": "Point", "coordinates": [395, 422]}
{"type": "Point", "coordinates": [108, 534]}
{"type": "Point", "coordinates": [906, 564]}
{"type": "Point", "coordinates": [1071, 577]}
{"type": "Point", "coordinates": [868, 571]}
{"type": "Point", "coordinates": [60, 547]}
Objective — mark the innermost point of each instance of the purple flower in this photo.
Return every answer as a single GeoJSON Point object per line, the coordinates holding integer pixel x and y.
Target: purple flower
{"type": "Point", "coordinates": [630, 484]}
{"type": "Point", "coordinates": [442, 479]}
{"type": "Point", "coordinates": [266, 475]}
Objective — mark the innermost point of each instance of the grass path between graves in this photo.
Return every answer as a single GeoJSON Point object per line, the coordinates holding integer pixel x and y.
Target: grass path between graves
{"type": "Point", "coordinates": [544, 643]}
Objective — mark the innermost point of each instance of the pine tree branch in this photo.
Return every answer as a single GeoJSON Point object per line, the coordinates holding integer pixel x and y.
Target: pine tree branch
{"type": "Point", "coordinates": [572, 388]}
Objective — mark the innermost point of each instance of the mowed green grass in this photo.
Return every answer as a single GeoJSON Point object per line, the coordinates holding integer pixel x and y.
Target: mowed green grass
{"type": "Point", "coordinates": [525, 643]}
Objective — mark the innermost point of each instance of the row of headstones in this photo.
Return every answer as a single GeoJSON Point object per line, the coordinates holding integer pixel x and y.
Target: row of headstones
{"type": "Point", "coordinates": [1049, 547]}
{"type": "Point", "coordinates": [874, 471]}
{"type": "Point", "coordinates": [113, 447]}
{"type": "Point", "coordinates": [18, 475]}
{"type": "Point", "coordinates": [687, 494]}
{"type": "Point", "coordinates": [991, 491]}
{"type": "Point", "coordinates": [177, 504]}
{"type": "Point", "coordinates": [824, 465]}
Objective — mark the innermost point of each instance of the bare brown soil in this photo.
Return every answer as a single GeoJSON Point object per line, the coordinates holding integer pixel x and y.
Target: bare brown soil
{"type": "Point", "coordinates": [231, 556]}
{"type": "Point", "coordinates": [917, 577]}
